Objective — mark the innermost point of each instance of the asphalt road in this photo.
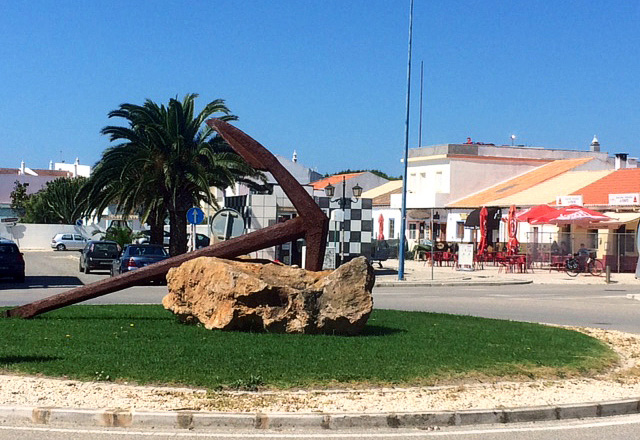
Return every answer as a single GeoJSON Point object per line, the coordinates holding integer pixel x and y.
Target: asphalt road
{"type": "Point", "coordinates": [581, 305]}
{"type": "Point", "coordinates": [597, 306]}
{"type": "Point", "coordinates": [51, 272]}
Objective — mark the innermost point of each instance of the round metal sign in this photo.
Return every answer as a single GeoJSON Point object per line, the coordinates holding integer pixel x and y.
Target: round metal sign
{"type": "Point", "coordinates": [195, 215]}
{"type": "Point", "coordinates": [227, 223]}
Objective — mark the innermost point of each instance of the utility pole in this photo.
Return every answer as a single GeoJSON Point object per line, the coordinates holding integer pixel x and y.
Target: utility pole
{"type": "Point", "coordinates": [403, 215]}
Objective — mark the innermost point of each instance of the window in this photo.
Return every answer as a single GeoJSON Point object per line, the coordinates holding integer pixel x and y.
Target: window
{"type": "Point", "coordinates": [67, 237]}
{"type": "Point", "coordinates": [625, 240]}
{"type": "Point", "coordinates": [460, 230]}
{"type": "Point", "coordinates": [592, 238]}
{"type": "Point", "coordinates": [412, 231]}
{"type": "Point", "coordinates": [392, 231]}
{"type": "Point", "coordinates": [438, 181]}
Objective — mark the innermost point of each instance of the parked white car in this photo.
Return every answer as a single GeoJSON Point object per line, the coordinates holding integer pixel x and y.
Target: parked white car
{"type": "Point", "coordinates": [64, 241]}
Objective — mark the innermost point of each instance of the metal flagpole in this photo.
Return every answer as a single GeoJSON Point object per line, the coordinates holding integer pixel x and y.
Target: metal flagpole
{"type": "Point", "coordinates": [421, 84]}
{"type": "Point", "coordinates": [403, 215]}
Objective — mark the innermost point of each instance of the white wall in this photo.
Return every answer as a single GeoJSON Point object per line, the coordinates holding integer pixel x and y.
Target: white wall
{"type": "Point", "coordinates": [452, 223]}
{"type": "Point", "coordinates": [35, 236]}
{"type": "Point", "coordinates": [428, 184]}
{"type": "Point", "coordinates": [387, 214]}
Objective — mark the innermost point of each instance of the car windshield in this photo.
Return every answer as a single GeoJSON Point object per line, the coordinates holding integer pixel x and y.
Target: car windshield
{"type": "Point", "coordinates": [7, 249]}
{"type": "Point", "coordinates": [147, 250]}
{"type": "Point", "coordinates": [106, 247]}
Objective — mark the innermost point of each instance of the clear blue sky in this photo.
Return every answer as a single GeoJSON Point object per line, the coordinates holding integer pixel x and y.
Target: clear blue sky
{"type": "Point", "coordinates": [324, 77]}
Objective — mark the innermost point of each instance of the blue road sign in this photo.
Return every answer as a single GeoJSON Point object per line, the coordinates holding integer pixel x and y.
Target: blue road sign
{"type": "Point", "coordinates": [195, 216]}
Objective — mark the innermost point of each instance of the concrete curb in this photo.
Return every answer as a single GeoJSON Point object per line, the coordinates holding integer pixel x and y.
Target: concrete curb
{"type": "Point", "coordinates": [444, 283]}
{"type": "Point", "coordinates": [182, 419]}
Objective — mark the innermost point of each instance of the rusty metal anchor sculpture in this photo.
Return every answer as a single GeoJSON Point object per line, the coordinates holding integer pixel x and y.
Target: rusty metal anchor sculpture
{"type": "Point", "coordinates": [311, 224]}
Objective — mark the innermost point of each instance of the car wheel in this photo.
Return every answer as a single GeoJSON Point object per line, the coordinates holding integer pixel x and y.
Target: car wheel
{"type": "Point", "coordinates": [61, 247]}
{"type": "Point", "coordinates": [80, 266]}
{"type": "Point", "coordinates": [19, 278]}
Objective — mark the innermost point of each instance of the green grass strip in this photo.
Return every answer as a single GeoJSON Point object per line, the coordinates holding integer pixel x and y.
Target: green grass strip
{"type": "Point", "coordinates": [147, 344]}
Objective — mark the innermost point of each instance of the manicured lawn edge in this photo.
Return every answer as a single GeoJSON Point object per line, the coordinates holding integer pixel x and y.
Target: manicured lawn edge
{"type": "Point", "coordinates": [148, 345]}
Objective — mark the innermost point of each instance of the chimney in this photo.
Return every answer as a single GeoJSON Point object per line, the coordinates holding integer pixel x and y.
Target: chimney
{"type": "Point", "coordinates": [294, 159]}
{"type": "Point", "coordinates": [50, 165]}
{"type": "Point", "coordinates": [595, 145]}
{"type": "Point", "coordinates": [621, 161]}
{"type": "Point", "coordinates": [22, 167]}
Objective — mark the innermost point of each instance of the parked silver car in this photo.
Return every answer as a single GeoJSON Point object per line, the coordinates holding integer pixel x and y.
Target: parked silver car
{"type": "Point", "coordinates": [66, 240]}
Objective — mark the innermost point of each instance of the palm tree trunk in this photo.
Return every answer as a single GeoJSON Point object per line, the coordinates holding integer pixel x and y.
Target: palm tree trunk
{"type": "Point", "coordinates": [156, 226]}
{"type": "Point", "coordinates": [178, 231]}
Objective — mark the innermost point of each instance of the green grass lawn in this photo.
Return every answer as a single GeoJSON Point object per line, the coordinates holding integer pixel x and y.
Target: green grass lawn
{"type": "Point", "coordinates": [147, 344]}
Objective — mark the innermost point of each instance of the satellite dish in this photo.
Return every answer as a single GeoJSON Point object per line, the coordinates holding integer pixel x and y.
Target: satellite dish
{"type": "Point", "coordinates": [227, 223]}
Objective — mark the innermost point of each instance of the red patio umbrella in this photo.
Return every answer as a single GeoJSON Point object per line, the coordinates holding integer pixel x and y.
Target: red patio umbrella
{"type": "Point", "coordinates": [483, 230]}
{"type": "Point", "coordinates": [570, 215]}
{"type": "Point", "coordinates": [381, 227]}
{"type": "Point", "coordinates": [534, 212]}
{"type": "Point", "coordinates": [512, 225]}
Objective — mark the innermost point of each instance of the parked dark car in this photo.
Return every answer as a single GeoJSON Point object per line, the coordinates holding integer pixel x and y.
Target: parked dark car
{"type": "Point", "coordinates": [201, 240]}
{"type": "Point", "coordinates": [135, 256]}
{"type": "Point", "coordinates": [98, 255]}
{"type": "Point", "coordinates": [11, 260]}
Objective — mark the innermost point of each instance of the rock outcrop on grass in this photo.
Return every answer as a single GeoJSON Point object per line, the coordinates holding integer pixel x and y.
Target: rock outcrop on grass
{"type": "Point", "coordinates": [239, 295]}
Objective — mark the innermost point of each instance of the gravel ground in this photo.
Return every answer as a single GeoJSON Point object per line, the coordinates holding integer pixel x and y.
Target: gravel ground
{"type": "Point", "coordinates": [619, 383]}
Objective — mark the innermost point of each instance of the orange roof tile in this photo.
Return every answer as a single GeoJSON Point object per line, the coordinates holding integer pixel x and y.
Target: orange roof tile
{"type": "Point", "coordinates": [520, 183]}
{"type": "Point", "coordinates": [622, 181]}
{"type": "Point", "coordinates": [333, 180]}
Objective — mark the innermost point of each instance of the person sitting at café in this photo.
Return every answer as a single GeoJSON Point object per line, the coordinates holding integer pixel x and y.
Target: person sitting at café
{"type": "Point", "coordinates": [564, 249]}
{"type": "Point", "coordinates": [555, 249]}
{"type": "Point", "coordinates": [583, 254]}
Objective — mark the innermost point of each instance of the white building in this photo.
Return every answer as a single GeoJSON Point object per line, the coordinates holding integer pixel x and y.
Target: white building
{"type": "Point", "coordinates": [441, 174]}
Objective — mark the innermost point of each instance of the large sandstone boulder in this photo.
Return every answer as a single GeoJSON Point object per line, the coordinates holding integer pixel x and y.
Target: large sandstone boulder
{"type": "Point", "coordinates": [238, 295]}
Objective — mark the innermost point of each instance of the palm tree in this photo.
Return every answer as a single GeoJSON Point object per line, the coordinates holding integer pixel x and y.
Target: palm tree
{"type": "Point", "coordinates": [167, 161]}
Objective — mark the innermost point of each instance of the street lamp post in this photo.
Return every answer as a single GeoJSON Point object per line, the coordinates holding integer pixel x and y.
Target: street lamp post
{"type": "Point", "coordinates": [330, 190]}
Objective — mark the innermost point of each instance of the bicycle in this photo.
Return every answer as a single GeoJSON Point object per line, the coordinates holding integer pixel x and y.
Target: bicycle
{"type": "Point", "coordinates": [573, 266]}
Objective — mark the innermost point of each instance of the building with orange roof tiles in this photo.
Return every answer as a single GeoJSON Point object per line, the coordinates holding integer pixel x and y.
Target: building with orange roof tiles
{"type": "Point", "coordinates": [618, 189]}
{"type": "Point", "coordinates": [511, 187]}
{"type": "Point", "coordinates": [452, 179]}
{"type": "Point", "coordinates": [365, 180]}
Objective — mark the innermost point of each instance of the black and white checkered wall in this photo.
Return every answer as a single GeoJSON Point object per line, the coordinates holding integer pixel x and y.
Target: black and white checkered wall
{"type": "Point", "coordinates": [357, 226]}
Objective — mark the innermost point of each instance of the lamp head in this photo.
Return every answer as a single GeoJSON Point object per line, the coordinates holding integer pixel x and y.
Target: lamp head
{"type": "Point", "coordinates": [329, 190]}
{"type": "Point", "coordinates": [357, 191]}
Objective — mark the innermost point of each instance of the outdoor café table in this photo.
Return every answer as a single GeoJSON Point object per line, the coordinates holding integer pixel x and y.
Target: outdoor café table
{"type": "Point", "coordinates": [513, 262]}
{"type": "Point", "coordinates": [557, 262]}
{"type": "Point", "coordinates": [440, 257]}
